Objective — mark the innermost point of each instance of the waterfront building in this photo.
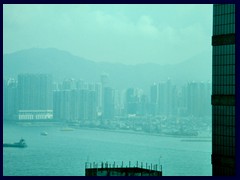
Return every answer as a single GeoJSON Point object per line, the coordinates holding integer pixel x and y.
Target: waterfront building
{"type": "Point", "coordinates": [35, 96]}
{"type": "Point", "coordinates": [10, 99]}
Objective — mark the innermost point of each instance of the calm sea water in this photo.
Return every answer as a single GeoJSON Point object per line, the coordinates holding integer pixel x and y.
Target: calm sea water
{"type": "Point", "coordinates": [64, 153]}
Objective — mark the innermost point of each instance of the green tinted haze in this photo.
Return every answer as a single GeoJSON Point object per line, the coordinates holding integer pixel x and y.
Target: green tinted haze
{"type": "Point", "coordinates": [129, 34]}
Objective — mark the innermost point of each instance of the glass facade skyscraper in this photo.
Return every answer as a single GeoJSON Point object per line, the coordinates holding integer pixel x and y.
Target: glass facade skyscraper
{"type": "Point", "coordinates": [223, 90]}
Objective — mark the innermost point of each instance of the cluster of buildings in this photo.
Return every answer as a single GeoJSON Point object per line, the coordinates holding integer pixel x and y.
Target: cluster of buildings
{"type": "Point", "coordinates": [36, 96]}
{"type": "Point", "coordinates": [28, 97]}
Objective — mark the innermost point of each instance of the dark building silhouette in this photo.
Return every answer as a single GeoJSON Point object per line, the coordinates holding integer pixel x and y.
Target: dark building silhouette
{"type": "Point", "coordinates": [223, 90]}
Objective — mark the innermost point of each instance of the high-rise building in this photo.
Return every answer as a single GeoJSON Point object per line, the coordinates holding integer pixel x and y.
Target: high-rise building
{"type": "Point", "coordinates": [205, 95]}
{"type": "Point", "coordinates": [143, 105]}
{"type": "Point", "coordinates": [10, 99]}
{"type": "Point", "coordinates": [131, 101]}
{"type": "Point", "coordinates": [98, 90]}
{"type": "Point", "coordinates": [182, 101]}
{"type": "Point", "coordinates": [108, 103]}
{"type": "Point", "coordinates": [196, 100]}
{"type": "Point", "coordinates": [104, 81]}
{"type": "Point", "coordinates": [165, 95]}
{"type": "Point", "coordinates": [192, 98]}
{"type": "Point", "coordinates": [35, 96]}
{"type": "Point", "coordinates": [153, 99]}
{"type": "Point", "coordinates": [118, 107]}
{"type": "Point", "coordinates": [196, 97]}
{"type": "Point", "coordinates": [75, 105]}
{"type": "Point", "coordinates": [223, 90]}
{"type": "Point", "coordinates": [91, 105]}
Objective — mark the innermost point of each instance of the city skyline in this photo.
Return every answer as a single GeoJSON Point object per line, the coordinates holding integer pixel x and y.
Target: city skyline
{"type": "Point", "coordinates": [72, 99]}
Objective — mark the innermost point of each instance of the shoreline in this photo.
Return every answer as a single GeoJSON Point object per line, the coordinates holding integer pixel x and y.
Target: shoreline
{"type": "Point", "coordinates": [60, 124]}
{"type": "Point", "coordinates": [144, 133]}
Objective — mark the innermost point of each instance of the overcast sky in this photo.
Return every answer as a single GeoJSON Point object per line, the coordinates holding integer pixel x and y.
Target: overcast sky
{"type": "Point", "coordinates": [128, 34]}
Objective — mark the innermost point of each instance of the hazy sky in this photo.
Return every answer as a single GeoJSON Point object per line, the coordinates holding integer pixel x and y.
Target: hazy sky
{"type": "Point", "coordinates": [129, 34]}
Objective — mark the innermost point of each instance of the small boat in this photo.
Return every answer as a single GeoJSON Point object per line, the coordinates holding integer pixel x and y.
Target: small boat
{"type": "Point", "coordinates": [44, 133]}
{"type": "Point", "coordinates": [20, 144]}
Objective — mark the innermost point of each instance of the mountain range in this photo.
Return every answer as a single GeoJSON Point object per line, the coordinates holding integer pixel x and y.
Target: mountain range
{"type": "Point", "coordinates": [62, 64]}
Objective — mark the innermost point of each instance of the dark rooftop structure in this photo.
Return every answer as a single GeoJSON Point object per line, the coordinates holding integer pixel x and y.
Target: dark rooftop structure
{"type": "Point", "coordinates": [106, 169]}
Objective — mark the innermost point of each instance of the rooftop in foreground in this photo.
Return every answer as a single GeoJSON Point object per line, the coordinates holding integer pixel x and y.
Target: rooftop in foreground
{"type": "Point", "coordinates": [112, 170]}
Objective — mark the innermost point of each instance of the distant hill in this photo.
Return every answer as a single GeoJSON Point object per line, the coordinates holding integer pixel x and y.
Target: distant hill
{"type": "Point", "coordinates": [65, 65]}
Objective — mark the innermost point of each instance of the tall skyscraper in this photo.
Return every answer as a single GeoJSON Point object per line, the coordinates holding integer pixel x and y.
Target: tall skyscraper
{"type": "Point", "coordinates": [165, 90]}
{"type": "Point", "coordinates": [223, 90]}
{"type": "Point", "coordinates": [35, 96]}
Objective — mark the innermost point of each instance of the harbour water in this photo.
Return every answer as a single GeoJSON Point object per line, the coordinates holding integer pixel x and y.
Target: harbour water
{"type": "Point", "coordinates": [64, 153]}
